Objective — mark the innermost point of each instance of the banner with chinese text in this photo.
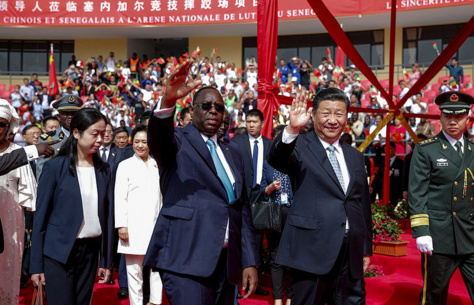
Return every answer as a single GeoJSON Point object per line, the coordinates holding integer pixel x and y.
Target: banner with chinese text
{"type": "Point", "coordinates": [181, 12]}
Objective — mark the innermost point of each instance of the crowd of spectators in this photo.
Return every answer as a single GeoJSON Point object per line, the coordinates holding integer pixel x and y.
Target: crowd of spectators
{"type": "Point", "coordinates": [125, 89]}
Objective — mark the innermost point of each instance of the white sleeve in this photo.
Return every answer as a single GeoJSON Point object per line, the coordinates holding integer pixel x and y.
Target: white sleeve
{"type": "Point", "coordinates": [163, 113]}
{"type": "Point", "coordinates": [287, 138]}
{"type": "Point", "coordinates": [121, 197]}
{"type": "Point", "coordinates": [31, 152]}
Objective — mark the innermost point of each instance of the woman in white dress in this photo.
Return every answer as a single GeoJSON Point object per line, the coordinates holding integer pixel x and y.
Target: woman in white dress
{"type": "Point", "coordinates": [137, 205]}
{"type": "Point", "coordinates": [17, 190]}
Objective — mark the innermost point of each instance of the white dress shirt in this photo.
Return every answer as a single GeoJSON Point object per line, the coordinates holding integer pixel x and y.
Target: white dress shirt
{"type": "Point", "coordinates": [260, 155]}
{"type": "Point", "coordinates": [90, 226]}
{"type": "Point", "coordinates": [453, 141]}
{"type": "Point", "coordinates": [107, 151]}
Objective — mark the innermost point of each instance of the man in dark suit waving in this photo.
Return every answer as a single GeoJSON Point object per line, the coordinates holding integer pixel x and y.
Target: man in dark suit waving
{"type": "Point", "coordinates": [204, 234]}
{"type": "Point", "coordinates": [327, 239]}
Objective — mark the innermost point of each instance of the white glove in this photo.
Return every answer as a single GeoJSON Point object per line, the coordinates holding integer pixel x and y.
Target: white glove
{"type": "Point", "coordinates": [425, 244]}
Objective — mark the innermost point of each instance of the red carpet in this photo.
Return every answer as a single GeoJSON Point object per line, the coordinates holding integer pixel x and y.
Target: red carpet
{"type": "Point", "coordinates": [400, 285]}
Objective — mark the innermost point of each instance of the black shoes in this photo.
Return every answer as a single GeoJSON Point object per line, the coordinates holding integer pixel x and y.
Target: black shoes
{"type": "Point", "coordinates": [260, 291]}
{"type": "Point", "coordinates": [122, 293]}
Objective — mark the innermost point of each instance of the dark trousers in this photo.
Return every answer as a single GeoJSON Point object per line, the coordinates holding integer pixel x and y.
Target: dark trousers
{"type": "Point", "coordinates": [122, 272]}
{"type": "Point", "coordinates": [280, 274]}
{"type": "Point", "coordinates": [335, 288]}
{"type": "Point", "coordinates": [184, 289]}
{"type": "Point", "coordinates": [72, 283]}
{"type": "Point", "coordinates": [437, 270]}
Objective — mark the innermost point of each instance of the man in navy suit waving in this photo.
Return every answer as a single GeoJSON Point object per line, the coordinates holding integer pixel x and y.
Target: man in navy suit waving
{"type": "Point", "coordinates": [204, 235]}
{"type": "Point", "coordinates": [327, 238]}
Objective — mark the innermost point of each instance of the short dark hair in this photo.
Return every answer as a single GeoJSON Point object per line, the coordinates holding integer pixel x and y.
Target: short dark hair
{"type": "Point", "coordinates": [455, 58]}
{"type": "Point", "coordinates": [145, 116]}
{"type": "Point", "coordinates": [119, 130]}
{"type": "Point", "coordinates": [255, 112]}
{"type": "Point", "coordinates": [324, 58]}
{"type": "Point", "coordinates": [276, 131]}
{"type": "Point", "coordinates": [182, 114]}
{"type": "Point", "coordinates": [49, 118]}
{"type": "Point", "coordinates": [28, 127]}
{"type": "Point", "coordinates": [330, 94]}
{"type": "Point", "coordinates": [138, 129]}
{"type": "Point", "coordinates": [198, 93]}
{"type": "Point", "coordinates": [378, 115]}
{"type": "Point", "coordinates": [240, 130]}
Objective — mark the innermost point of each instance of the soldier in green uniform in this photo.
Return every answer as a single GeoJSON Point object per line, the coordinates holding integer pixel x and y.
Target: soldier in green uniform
{"type": "Point", "coordinates": [67, 107]}
{"type": "Point", "coordinates": [441, 201]}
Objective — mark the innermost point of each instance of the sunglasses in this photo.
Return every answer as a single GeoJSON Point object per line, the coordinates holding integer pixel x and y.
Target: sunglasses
{"type": "Point", "coordinates": [3, 124]}
{"type": "Point", "coordinates": [208, 106]}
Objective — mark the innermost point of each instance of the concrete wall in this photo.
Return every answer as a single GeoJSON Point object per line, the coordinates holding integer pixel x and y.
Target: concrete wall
{"type": "Point", "coordinates": [229, 48]}
{"type": "Point", "coordinates": [85, 48]}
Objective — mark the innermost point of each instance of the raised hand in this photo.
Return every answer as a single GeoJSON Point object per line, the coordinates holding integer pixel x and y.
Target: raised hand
{"type": "Point", "coordinates": [299, 114]}
{"type": "Point", "coordinates": [176, 86]}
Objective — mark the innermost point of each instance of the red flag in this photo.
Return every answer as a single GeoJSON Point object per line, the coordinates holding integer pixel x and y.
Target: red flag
{"type": "Point", "coordinates": [340, 63]}
{"type": "Point", "coordinates": [53, 80]}
{"type": "Point", "coordinates": [317, 72]}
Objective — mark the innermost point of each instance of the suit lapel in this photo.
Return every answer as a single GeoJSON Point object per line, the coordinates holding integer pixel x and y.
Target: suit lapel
{"type": "Point", "coordinates": [195, 139]}
{"type": "Point", "coordinates": [248, 151]}
{"type": "Point", "coordinates": [316, 147]}
{"type": "Point", "coordinates": [448, 151]}
{"type": "Point", "coordinates": [467, 159]}
{"type": "Point", "coordinates": [233, 166]}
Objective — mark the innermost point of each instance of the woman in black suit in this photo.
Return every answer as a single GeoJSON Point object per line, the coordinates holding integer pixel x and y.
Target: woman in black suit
{"type": "Point", "coordinates": [73, 221]}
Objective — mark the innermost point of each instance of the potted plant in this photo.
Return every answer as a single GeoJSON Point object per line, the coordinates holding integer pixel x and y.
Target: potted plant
{"type": "Point", "coordinates": [373, 271]}
{"type": "Point", "coordinates": [386, 233]}
{"type": "Point", "coordinates": [401, 214]}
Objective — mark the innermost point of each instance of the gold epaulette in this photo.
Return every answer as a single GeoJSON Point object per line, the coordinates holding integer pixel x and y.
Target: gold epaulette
{"type": "Point", "coordinates": [44, 137]}
{"type": "Point", "coordinates": [471, 140]}
{"type": "Point", "coordinates": [429, 141]}
{"type": "Point", "coordinates": [419, 220]}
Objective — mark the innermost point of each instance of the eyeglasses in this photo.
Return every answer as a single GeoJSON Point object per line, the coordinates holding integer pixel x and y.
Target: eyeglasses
{"type": "Point", "coordinates": [3, 124]}
{"type": "Point", "coordinates": [34, 134]}
{"type": "Point", "coordinates": [208, 106]}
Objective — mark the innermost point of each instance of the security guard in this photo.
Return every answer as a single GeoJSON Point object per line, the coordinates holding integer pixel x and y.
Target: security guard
{"type": "Point", "coordinates": [441, 201]}
{"type": "Point", "coordinates": [67, 107]}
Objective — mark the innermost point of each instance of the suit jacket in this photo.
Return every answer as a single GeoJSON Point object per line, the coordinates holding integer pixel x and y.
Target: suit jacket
{"type": "Point", "coordinates": [243, 143]}
{"type": "Point", "coordinates": [396, 180]}
{"type": "Point", "coordinates": [437, 203]}
{"type": "Point", "coordinates": [59, 213]}
{"type": "Point", "coordinates": [314, 231]}
{"type": "Point", "coordinates": [189, 234]}
{"type": "Point", "coordinates": [12, 160]}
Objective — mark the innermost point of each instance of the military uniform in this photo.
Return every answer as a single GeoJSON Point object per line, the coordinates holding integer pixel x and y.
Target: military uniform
{"type": "Point", "coordinates": [67, 103]}
{"type": "Point", "coordinates": [441, 205]}
{"type": "Point", "coordinates": [58, 134]}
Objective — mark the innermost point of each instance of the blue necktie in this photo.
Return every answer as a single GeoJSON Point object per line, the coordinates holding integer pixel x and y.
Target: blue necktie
{"type": "Point", "coordinates": [335, 166]}
{"type": "Point", "coordinates": [255, 163]}
{"type": "Point", "coordinates": [104, 156]}
{"type": "Point", "coordinates": [221, 173]}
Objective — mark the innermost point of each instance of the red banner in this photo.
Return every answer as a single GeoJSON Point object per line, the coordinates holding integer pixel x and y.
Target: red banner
{"type": "Point", "coordinates": [179, 12]}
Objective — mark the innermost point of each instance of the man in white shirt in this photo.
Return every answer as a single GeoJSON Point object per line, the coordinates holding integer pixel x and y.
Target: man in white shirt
{"type": "Point", "coordinates": [27, 91]}
{"type": "Point", "coordinates": [111, 62]}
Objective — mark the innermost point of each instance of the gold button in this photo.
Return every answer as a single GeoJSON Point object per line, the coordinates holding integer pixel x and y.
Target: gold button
{"type": "Point", "coordinates": [455, 198]}
{"type": "Point", "coordinates": [454, 213]}
{"type": "Point", "coordinates": [455, 183]}
{"type": "Point", "coordinates": [472, 199]}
